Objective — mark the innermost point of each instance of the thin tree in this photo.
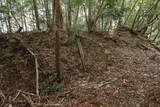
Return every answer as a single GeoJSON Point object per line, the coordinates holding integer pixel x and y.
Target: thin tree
{"type": "Point", "coordinates": [36, 14]}
{"type": "Point", "coordinates": [56, 27]}
{"type": "Point", "coordinates": [47, 11]}
{"type": "Point", "coordinates": [9, 25]}
{"type": "Point", "coordinates": [69, 24]}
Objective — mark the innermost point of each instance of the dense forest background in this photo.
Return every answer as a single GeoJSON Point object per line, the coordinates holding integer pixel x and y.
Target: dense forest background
{"type": "Point", "coordinates": [82, 15]}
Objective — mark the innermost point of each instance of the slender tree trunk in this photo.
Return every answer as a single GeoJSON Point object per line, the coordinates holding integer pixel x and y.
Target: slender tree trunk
{"type": "Point", "coordinates": [53, 14]}
{"type": "Point", "coordinates": [102, 20]}
{"type": "Point", "coordinates": [77, 14]}
{"type": "Point", "coordinates": [22, 25]}
{"type": "Point", "coordinates": [57, 16]}
{"type": "Point", "coordinates": [9, 16]}
{"type": "Point", "coordinates": [57, 26]}
{"type": "Point", "coordinates": [36, 14]}
{"type": "Point", "coordinates": [156, 35]}
{"type": "Point", "coordinates": [25, 23]}
{"type": "Point", "coordinates": [150, 19]}
{"type": "Point", "coordinates": [2, 26]}
{"type": "Point", "coordinates": [48, 15]}
{"type": "Point", "coordinates": [85, 12]}
{"type": "Point", "coordinates": [131, 12]}
{"type": "Point", "coordinates": [33, 19]}
{"type": "Point", "coordinates": [120, 19]}
{"type": "Point", "coordinates": [6, 23]}
{"type": "Point", "coordinates": [69, 25]}
{"type": "Point", "coordinates": [90, 22]}
{"type": "Point", "coordinates": [137, 16]}
{"type": "Point", "coordinates": [13, 15]}
{"type": "Point", "coordinates": [1, 22]}
{"type": "Point", "coordinates": [110, 25]}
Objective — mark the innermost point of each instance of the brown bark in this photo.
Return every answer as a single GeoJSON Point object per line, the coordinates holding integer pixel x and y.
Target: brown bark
{"type": "Point", "coordinates": [9, 16]}
{"type": "Point", "coordinates": [57, 26]}
{"type": "Point", "coordinates": [57, 22]}
{"type": "Point", "coordinates": [92, 20]}
{"type": "Point", "coordinates": [77, 13]}
{"type": "Point", "coordinates": [47, 11]}
{"type": "Point", "coordinates": [92, 25]}
{"type": "Point", "coordinates": [58, 14]}
{"type": "Point", "coordinates": [36, 14]}
{"type": "Point", "coordinates": [120, 19]}
{"type": "Point", "coordinates": [69, 25]}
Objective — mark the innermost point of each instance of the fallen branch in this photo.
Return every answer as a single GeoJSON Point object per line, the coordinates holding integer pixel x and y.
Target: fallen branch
{"type": "Point", "coordinates": [81, 53]}
{"type": "Point", "coordinates": [47, 105]}
{"type": "Point", "coordinates": [16, 96]}
{"type": "Point", "coordinates": [27, 93]}
{"type": "Point", "coordinates": [37, 71]}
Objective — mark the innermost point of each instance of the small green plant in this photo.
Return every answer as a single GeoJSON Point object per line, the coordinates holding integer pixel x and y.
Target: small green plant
{"type": "Point", "coordinates": [53, 82]}
{"type": "Point", "coordinates": [71, 41]}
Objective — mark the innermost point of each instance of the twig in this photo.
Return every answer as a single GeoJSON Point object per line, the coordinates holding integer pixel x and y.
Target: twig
{"type": "Point", "coordinates": [16, 96]}
{"type": "Point", "coordinates": [29, 100]}
{"type": "Point", "coordinates": [46, 105]}
{"type": "Point", "coordinates": [106, 83]}
{"type": "Point", "coordinates": [28, 93]}
{"type": "Point", "coordinates": [2, 96]}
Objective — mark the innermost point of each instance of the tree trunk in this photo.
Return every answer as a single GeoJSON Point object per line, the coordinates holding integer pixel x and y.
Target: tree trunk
{"type": "Point", "coordinates": [48, 15]}
{"type": "Point", "coordinates": [36, 14]}
{"type": "Point", "coordinates": [92, 25]}
{"type": "Point", "coordinates": [151, 19]}
{"type": "Point", "coordinates": [156, 35]}
{"type": "Point", "coordinates": [128, 16]}
{"type": "Point", "coordinates": [137, 16]}
{"type": "Point", "coordinates": [9, 16]}
{"type": "Point", "coordinates": [69, 25]}
{"type": "Point", "coordinates": [77, 14]}
{"type": "Point", "coordinates": [120, 21]}
{"type": "Point", "coordinates": [25, 23]}
{"type": "Point", "coordinates": [57, 22]}
{"type": "Point", "coordinates": [91, 22]}
{"type": "Point", "coordinates": [57, 26]}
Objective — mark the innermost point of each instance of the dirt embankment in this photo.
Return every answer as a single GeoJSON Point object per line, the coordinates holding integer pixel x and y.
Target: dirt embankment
{"type": "Point", "coordinates": [128, 76]}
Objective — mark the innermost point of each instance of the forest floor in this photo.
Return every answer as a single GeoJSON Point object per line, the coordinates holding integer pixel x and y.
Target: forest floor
{"type": "Point", "coordinates": [128, 76]}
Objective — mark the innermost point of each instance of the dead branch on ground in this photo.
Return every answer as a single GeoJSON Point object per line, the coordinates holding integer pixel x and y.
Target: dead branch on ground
{"type": "Point", "coordinates": [81, 52]}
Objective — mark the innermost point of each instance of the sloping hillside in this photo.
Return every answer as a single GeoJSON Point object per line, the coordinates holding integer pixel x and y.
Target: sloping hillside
{"type": "Point", "coordinates": [127, 76]}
